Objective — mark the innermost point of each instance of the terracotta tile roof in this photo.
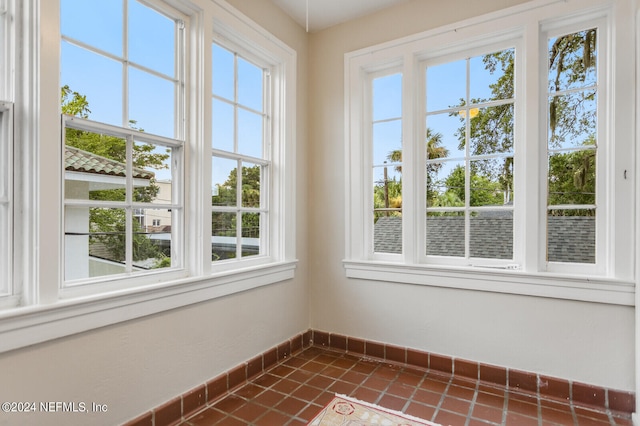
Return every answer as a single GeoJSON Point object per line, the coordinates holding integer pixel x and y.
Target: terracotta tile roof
{"type": "Point", "coordinates": [77, 160]}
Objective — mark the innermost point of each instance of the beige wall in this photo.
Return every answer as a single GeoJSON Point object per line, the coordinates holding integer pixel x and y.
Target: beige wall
{"type": "Point", "coordinates": [586, 342]}
{"type": "Point", "coordinates": [135, 366]}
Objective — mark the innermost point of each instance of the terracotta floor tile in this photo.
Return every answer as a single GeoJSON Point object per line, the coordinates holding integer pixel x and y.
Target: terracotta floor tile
{"type": "Point", "coordinates": [392, 402]}
{"type": "Point", "coordinates": [294, 391]}
{"type": "Point", "coordinates": [208, 416]}
{"type": "Point", "coordinates": [268, 398]}
{"type": "Point", "coordinates": [271, 418]}
{"type": "Point", "coordinates": [250, 411]}
{"type": "Point", "coordinates": [484, 412]}
{"type": "Point", "coordinates": [448, 418]}
{"type": "Point", "coordinates": [291, 406]}
{"type": "Point", "coordinates": [420, 410]}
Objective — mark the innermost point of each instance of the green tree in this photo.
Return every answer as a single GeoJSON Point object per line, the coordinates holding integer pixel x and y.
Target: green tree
{"type": "Point", "coordinates": [483, 191]}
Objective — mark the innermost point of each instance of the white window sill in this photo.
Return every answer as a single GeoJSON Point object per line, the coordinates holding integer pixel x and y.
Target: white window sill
{"type": "Point", "coordinates": [581, 288]}
{"type": "Point", "coordinates": [20, 327]}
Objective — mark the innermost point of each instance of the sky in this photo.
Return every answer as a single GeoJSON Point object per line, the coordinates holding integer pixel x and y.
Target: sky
{"type": "Point", "coordinates": [96, 71]}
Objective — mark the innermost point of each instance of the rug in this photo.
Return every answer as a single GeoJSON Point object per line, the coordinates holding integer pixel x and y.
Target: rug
{"type": "Point", "coordinates": [345, 411]}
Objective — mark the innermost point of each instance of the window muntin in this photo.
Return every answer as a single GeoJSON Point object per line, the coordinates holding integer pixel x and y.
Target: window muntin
{"type": "Point", "coordinates": [386, 136]}
{"type": "Point", "coordinates": [123, 149]}
{"type": "Point", "coordinates": [241, 162]}
{"type": "Point", "coordinates": [573, 148]}
{"type": "Point", "coordinates": [470, 157]}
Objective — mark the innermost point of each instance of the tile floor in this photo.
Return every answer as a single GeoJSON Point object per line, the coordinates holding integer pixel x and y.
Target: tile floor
{"type": "Point", "coordinates": [294, 391]}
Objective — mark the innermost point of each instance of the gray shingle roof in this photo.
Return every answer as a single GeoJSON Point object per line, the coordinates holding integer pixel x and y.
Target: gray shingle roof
{"type": "Point", "coordinates": [571, 238]}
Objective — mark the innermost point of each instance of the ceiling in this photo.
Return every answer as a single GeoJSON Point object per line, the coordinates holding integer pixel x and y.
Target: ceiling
{"type": "Point", "coordinates": [326, 13]}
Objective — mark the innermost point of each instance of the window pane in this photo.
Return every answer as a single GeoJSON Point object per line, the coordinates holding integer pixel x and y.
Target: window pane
{"type": "Point", "coordinates": [95, 166]}
{"type": "Point", "coordinates": [491, 130]}
{"type": "Point", "coordinates": [151, 39]}
{"type": "Point", "coordinates": [250, 132]}
{"type": "Point", "coordinates": [151, 244]}
{"type": "Point", "coordinates": [450, 131]}
{"type": "Point", "coordinates": [223, 236]}
{"type": "Point", "coordinates": [446, 85]}
{"type": "Point", "coordinates": [571, 236]}
{"type": "Point", "coordinates": [387, 97]}
{"type": "Point", "coordinates": [249, 85]}
{"type": "Point", "coordinates": [446, 184]}
{"type": "Point", "coordinates": [151, 103]}
{"type": "Point", "coordinates": [250, 234]}
{"type": "Point", "coordinates": [445, 234]}
{"type": "Point", "coordinates": [223, 128]}
{"type": "Point", "coordinates": [387, 142]}
{"type": "Point", "coordinates": [94, 242]}
{"type": "Point", "coordinates": [572, 120]}
{"type": "Point", "coordinates": [572, 60]}
{"type": "Point", "coordinates": [491, 234]}
{"type": "Point", "coordinates": [97, 78]}
{"type": "Point", "coordinates": [491, 76]}
{"type": "Point", "coordinates": [96, 23]}
{"type": "Point", "coordinates": [387, 232]}
{"type": "Point", "coordinates": [251, 185]}
{"type": "Point", "coordinates": [572, 177]}
{"type": "Point", "coordinates": [387, 188]}
{"type": "Point", "coordinates": [152, 173]}
{"type": "Point", "coordinates": [491, 182]}
{"type": "Point", "coordinates": [223, 73]}
{"type": "Point", "coordinates": [224, 182]}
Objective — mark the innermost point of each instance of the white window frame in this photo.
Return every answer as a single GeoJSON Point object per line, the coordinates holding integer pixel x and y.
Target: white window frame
{"type": "Point", "coordinates": [525, 27]}
{"type": "Point", "coordinates": [8, 287]}
{"type": "Point", "coordinates": [48, 311]}
{"type": "Point", "coordinates": [257, 58]}
{"type": "Point", "coordinates": [507, 40]}
{"type": "Point", "coordinates": [553, 28]}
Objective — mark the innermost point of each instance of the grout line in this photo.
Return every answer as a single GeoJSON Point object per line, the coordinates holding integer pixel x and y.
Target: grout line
{"type": "Point", "coordinates": [442, 398]}
{"type": "Point", "coordinates": [505, 405]}
{"type": "Point", "coordinates": [473, 399]}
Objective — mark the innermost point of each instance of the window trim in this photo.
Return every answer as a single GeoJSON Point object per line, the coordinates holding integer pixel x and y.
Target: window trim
{"type": "Point", "coordinates": [46, 313]}
{"type": "Point", "coordinates": [614, 287]}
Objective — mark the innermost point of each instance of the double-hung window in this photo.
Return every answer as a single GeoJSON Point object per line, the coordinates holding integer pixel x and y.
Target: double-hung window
{"type": "Point", "coordinates": [155, 144]}
{"type": "Point", "coordinates": [241, 163]}
{"type": "Point", "coordinates": [123, 101]}
{"type": "Point", "coordinates": [492, 159]}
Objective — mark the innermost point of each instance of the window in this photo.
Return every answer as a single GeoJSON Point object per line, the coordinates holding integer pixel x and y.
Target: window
{"type": "Point", "coordinates": [240, 157]}
{"type": "Point", "coordinates": [470, 158]}
{"type": "Point", "coordinates": [493, 157]}
{"type": "Point", "coordinates": [572, 147]}
{"type": "Point", "coordinates": [115, 197]}
{"type": "Point", "coordinates": [123, 93]}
